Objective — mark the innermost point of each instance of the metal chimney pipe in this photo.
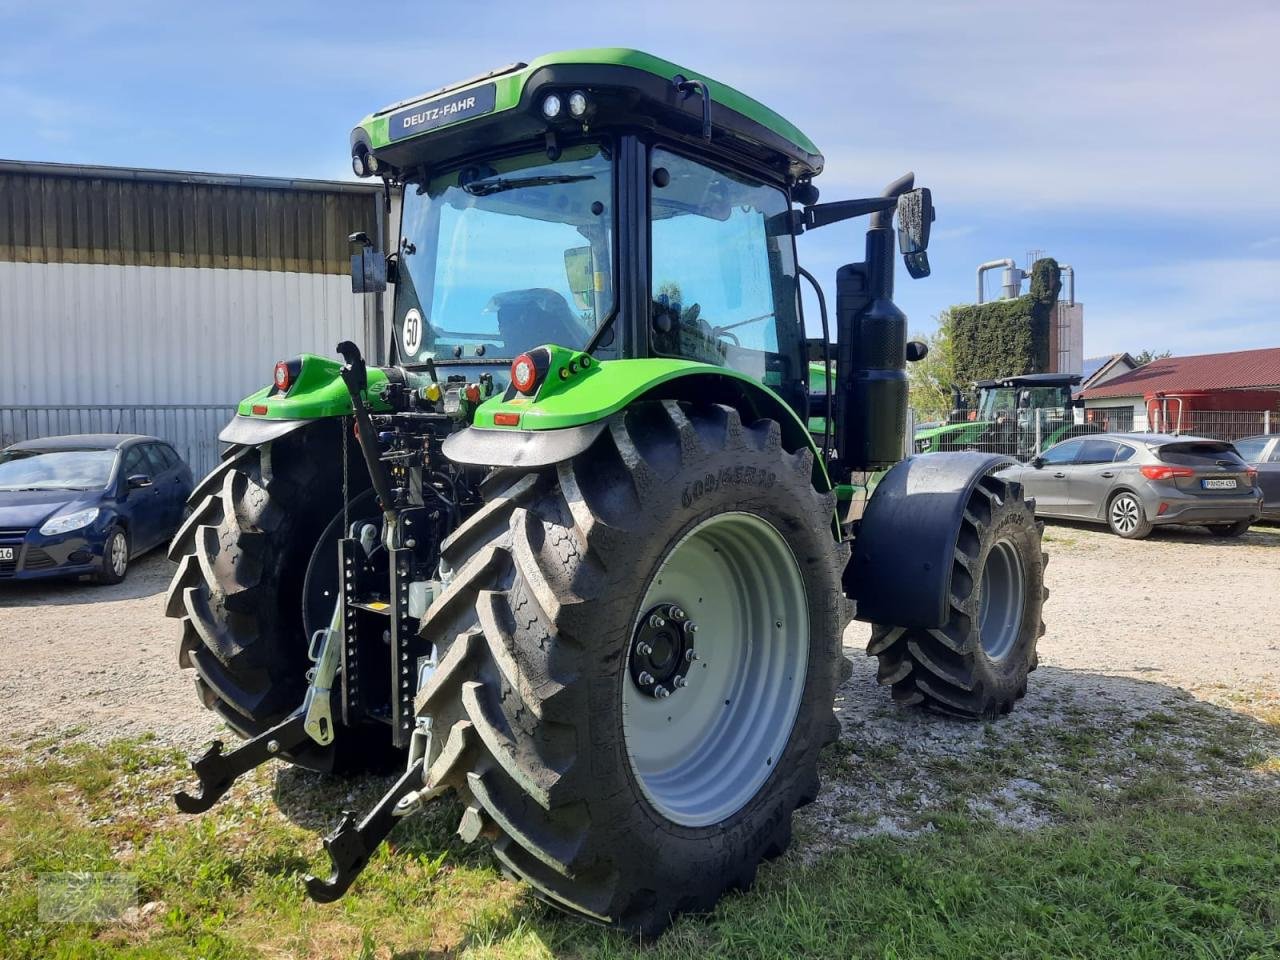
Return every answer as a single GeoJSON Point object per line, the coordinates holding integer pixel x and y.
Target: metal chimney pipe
{"type": "Point", "coordinates": [1007, 263]}
{"type": "Point", "coordinates": [1071, 283]}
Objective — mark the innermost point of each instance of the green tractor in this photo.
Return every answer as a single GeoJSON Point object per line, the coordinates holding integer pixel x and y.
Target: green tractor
{"type": "Point", "coordinates": [1014, 416]}
{"type": "Point", "coordinates": [571, 551]}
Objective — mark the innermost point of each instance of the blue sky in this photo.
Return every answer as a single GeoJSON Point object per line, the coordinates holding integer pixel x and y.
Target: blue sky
{"type": "Point", "coordinates": [1138, 141]}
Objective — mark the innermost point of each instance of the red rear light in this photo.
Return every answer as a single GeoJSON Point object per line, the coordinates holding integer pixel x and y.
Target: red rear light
{"type": "Point", "coordinates": [524, 373]}
{"type": "Point", "coordinates": [283, 377]}
{"type": "Point", "coordinates": [259, 409]}
{"type": "Point", "coordinates": [1253, 476]}
{"type": "Point", "coordinates": [506, 419]}
{"type": "Point", "coordinates": [1162, 472]}
{"type": "Point", "coordinates": [473, 392]}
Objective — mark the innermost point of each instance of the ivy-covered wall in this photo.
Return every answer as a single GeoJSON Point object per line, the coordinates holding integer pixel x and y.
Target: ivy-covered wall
{"type": "Point", "coordinates": [1006, 337]}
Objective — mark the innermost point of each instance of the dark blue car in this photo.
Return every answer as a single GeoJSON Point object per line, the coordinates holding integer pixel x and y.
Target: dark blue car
{"type": "Point", "coordinates": [87, 504]}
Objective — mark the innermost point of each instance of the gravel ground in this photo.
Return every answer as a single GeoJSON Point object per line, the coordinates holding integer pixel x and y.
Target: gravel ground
{"type": "Point", "coordinates": [1162, 658]}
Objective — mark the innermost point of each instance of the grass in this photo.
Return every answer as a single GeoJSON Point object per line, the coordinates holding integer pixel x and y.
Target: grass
{"type": "Point", "coordinates": [1152, 874]}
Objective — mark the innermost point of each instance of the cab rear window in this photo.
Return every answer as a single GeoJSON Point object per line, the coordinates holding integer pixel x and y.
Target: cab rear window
{"type": "Point", "coordinates": [1200, 455]}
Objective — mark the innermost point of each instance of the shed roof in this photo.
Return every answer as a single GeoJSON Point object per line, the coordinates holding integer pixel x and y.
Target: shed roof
{"type": "Point", "coordinates": [1237, 370]}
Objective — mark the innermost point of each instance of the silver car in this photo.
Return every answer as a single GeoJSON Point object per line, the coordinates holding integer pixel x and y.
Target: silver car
{"type": "Point", "coordinates": [1134, 481]}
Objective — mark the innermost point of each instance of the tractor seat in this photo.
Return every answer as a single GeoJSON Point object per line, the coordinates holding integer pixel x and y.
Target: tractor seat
{"type": "Point", "coordinates": [531, 318]}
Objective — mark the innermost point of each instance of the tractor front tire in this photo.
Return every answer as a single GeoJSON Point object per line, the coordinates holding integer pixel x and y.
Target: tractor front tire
{"type": "Point", "coordinates": [243, 555]}
{"type": "Point", "coordinates": [976, 665]}
{"type": "Point", "coordinates": [685, 551]}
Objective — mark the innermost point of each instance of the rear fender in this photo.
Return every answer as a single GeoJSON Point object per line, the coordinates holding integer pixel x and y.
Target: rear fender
{"type": "Point", "coordinates": [561, 422]}
{"type": "Point", "coordinates": [900, 570]}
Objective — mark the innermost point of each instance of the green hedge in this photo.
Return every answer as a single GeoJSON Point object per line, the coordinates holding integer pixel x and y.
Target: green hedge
{"type": "Point", "coordinates": [1007, 337]}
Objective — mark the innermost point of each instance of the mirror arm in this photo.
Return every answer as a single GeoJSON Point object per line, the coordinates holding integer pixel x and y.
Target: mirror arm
{"type": "Point", "coordinates": [822, 214]}
{"type": "Point", "coordinates": [892, 192]}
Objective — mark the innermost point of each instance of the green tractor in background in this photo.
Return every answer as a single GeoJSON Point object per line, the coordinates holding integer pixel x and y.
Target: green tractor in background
{"type": "Point", "coordinates": [1014, 416]}
{"type": "Point", "coordinates": [571, 552]}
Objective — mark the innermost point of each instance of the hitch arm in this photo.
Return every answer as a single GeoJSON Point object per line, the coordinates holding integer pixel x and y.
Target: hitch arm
{"type": "Point", "coordinates": [217, 771]}
{"type": "Point", "coordinates": [350, 845]}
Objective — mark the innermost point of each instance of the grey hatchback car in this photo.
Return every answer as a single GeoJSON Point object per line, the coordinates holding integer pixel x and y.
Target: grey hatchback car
{"type": "Point", "coordinates": [1134, 481]}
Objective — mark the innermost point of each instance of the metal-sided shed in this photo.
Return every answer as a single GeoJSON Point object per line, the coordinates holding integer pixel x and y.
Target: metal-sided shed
{"type": "Point", "coordinates": [151, 301]}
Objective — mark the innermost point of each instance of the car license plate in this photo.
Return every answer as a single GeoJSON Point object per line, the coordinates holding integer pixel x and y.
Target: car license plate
{"type": "Point", "coordinates": [6, 553]}
{"type": "Point", "coordinates": [1219, 483]}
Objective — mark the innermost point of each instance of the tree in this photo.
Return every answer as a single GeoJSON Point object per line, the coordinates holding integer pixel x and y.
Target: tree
{"type": "Point", "coordinates": [931, 378]}
{"type": "Point", "coordinates": [1146, 356]}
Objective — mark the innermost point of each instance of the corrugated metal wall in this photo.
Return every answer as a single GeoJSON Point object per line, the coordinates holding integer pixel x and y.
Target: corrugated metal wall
{"type": "Point", "coordinates": [125, 294]}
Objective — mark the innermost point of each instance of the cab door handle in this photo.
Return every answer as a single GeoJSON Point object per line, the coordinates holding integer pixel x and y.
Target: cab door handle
{"type": "Point", "coordinates": [1108, 473]}
{"type": "Point", "coordinates": [1059, 476]}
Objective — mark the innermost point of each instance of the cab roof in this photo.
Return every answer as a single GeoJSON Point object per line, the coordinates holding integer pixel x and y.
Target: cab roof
{"type": "Point", "coordinates": [629, 89]}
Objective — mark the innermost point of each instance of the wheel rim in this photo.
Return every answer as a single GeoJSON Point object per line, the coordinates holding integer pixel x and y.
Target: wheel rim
{"type": "Point", "coordinates": [701, 753]}
{"type": "Point", "coordinates": [119, 554]}
{"type": "Point", "coordinates": [1003, 598]}
{"type": "Point", "coordinates": [1125, 514]}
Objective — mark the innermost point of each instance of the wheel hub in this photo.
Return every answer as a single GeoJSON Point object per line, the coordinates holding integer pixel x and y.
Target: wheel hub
{"type": "Point", "coordinates": [662, 651]}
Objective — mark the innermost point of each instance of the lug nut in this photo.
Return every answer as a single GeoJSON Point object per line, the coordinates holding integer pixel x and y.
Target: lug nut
{"type": "Point", "coordinates": [645, 678]}
{"type": "Point", "coordinates": [691, 627]}
{"type": "Point", "coordinates": [657, 622]}
{"type": "Point", "coordinates": [678, 682]}
{"type": "Point", "coordinates": [689, 655]}
{"type": "Point", "coordinates": [273, 746]}
{"type": "Point", "coordinates": [661, 692]}
{"type": "Point", "coordinates": [643, 649]}
{"type": "Point", "coordinates": [677, 613]}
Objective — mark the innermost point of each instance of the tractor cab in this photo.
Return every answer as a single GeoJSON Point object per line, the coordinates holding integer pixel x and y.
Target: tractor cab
{"type": "Point", "coordinates": [613, 203]}
{"type": "Point", "coordinates": [601, 199]}
{"type": "Point", "coordinates": [1016, 416]}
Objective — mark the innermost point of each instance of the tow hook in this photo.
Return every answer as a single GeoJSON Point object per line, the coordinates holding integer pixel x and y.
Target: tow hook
{"type": "Point", "coordinates": [217, 771]}
{"type": "Point", "coordinates": [352, 844]}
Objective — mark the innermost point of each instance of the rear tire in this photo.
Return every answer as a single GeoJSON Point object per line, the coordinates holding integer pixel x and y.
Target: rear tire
{"type": "Point", "coordinates": [1126, 516]}
{"type": "Point", "coordinates": [242, 558]}
{"type": "Point", "coordinates": [976, 665]}
{"type": "Point", "coordinates": [538, 722]}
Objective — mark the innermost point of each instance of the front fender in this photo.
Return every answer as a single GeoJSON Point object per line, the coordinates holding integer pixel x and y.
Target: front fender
{"type": "Point", "coordinates": [900, 571]}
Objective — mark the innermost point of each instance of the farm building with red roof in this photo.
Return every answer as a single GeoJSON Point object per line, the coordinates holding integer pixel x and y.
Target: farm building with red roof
{"type": "Point", "coordinates": [1215, 393]}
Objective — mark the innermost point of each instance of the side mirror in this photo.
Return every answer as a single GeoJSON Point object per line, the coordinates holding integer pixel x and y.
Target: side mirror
{"type": "Point", "coordinates": [915, 218]}
{"type": "Point", "coordinates": [1037, 462]}
{"type": "Point", "coordinates": [138, 481]}
{"type": "Point", "coordinates": [917, 350]}
{"type": "Point", "coordinates": [368, 267]}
